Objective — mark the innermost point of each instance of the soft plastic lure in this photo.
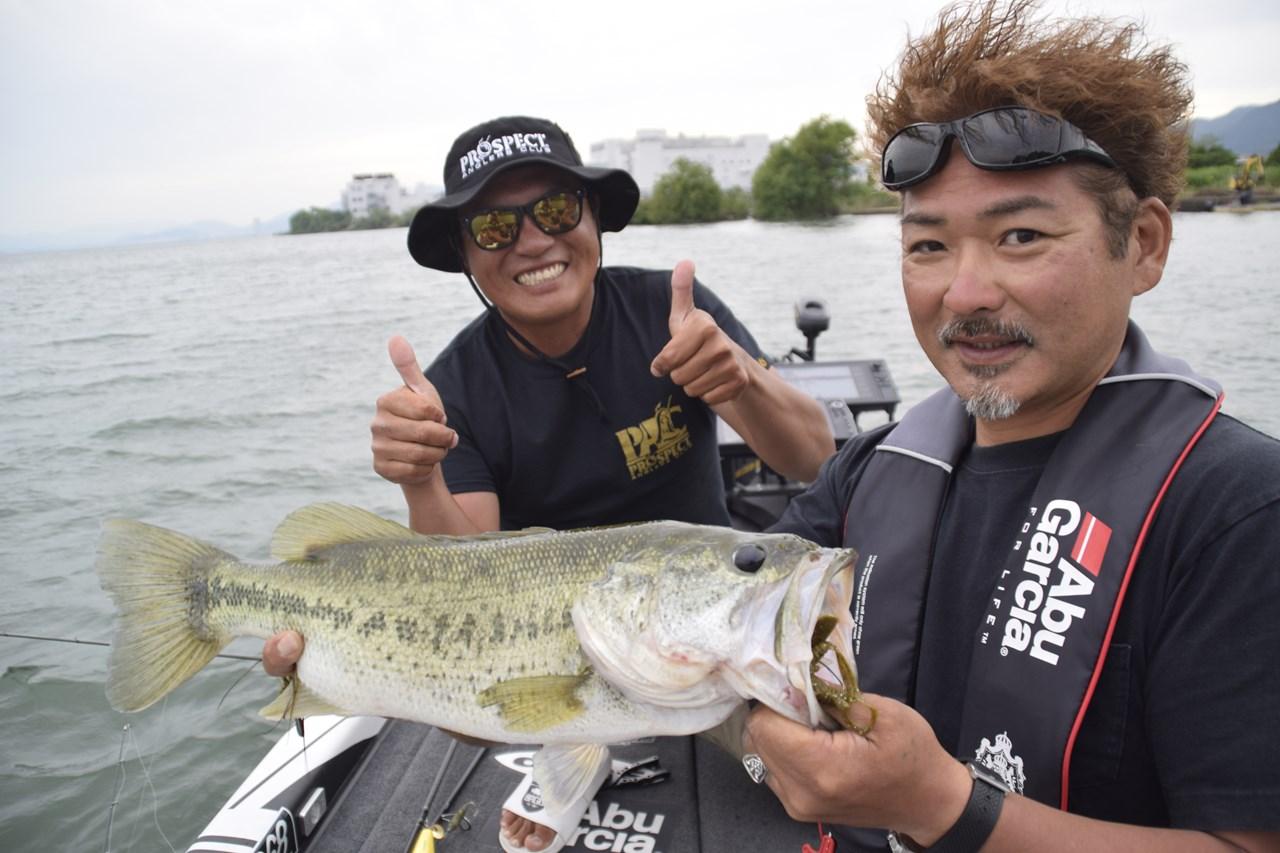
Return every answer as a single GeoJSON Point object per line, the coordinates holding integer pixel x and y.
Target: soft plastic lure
{"type": "Point", "coordinates": [839, 699]}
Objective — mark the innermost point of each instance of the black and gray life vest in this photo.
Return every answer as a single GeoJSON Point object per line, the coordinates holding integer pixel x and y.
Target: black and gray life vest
{"type": "Point", "coordinates": [1041, 644]}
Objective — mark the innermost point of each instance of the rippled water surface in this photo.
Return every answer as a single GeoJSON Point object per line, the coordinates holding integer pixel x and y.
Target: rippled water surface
{"type": "Point", "coordinates": [215, 387]}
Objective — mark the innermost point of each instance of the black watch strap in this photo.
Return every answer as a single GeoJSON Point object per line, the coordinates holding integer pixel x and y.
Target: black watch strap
{"type": "Point", "coordinates": [971, 830]}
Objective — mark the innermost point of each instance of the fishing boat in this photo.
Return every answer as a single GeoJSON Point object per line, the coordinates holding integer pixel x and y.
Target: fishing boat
{"type": "Point", "coordinates": [345, 784]}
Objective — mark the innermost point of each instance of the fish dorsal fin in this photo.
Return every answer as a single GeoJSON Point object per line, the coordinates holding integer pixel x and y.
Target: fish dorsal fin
{"type": "Point", "coordinates": [536, 702]}
{"type": "Point", "coordinates": [318, 526]}
{"type": "Point", "coordinates": [570, 774]}
{"type": "Point", "coordinates": [296, 701]}
{"type": "Point", "coordinates": [314, 528]}
{"type": "Point", "coordinates": [507, 534]}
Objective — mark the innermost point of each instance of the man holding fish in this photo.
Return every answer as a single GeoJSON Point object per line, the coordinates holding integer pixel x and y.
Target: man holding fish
{"type": "Point", "coordinates": [585, 395]}
{"type": "Point", "coordinates": [1067, 596]}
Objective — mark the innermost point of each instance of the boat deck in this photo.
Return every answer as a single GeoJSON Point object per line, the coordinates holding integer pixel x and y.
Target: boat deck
{"type": "Point", "coordinates": [707, 803]}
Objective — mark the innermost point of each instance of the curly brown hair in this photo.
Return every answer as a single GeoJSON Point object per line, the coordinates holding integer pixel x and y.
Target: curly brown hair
{"type": "Point", "coordinates": [1131, 97]}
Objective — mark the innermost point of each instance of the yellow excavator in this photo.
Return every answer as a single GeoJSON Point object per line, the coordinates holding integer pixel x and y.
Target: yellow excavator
{"type": "Point", "coordinates": [1246, 177]}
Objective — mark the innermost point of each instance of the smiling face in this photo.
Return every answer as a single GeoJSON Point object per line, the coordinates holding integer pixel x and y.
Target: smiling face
{"type": "Point", "coordinates": [542, 283]}
{"type": "Point", "coordinates": [1013, 293]}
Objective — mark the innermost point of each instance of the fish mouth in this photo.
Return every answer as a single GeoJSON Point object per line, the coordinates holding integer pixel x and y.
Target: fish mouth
{"type": "Point", "coordinates": [777, 660]}
{"type": "Point", "coordinates": [757, 643]}
{"type": "Point", "coordinates": [811, 596]}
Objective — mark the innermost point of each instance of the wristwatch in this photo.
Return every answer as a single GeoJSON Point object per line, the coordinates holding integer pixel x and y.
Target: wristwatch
{"type": "Point", "coordinates": [973, 827]}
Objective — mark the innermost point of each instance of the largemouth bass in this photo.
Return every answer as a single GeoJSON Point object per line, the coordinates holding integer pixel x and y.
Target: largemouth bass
{"type": "Point", "coordinates": [573, 640]}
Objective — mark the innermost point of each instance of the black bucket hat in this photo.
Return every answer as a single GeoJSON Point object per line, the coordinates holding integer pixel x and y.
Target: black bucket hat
{"type": "Point", "coordinates": [486, 151]}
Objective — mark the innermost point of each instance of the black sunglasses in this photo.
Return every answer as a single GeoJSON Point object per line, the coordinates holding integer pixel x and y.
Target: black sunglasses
{"type": "Point", "coordinates": [999, 140]}
{"type": "Point", "coordinates": [496, 228]}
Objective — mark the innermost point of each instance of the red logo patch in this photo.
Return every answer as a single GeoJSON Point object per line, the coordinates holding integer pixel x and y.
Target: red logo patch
{"type": "Point", "coordinates": [1091, 544]}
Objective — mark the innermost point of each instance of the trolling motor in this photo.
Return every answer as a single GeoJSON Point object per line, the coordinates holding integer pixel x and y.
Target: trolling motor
{"type": "Point", "coordinates": [756, 495]}
{"type": "Point", "coordinates": [812, 319]}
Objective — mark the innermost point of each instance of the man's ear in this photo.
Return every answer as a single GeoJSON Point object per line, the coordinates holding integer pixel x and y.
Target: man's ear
{"type": "Point", "coordinates": [1150, 237]}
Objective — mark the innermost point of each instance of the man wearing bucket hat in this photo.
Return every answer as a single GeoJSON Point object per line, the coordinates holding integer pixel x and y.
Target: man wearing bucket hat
{"type": "Point", "coordinates": [583, 395]}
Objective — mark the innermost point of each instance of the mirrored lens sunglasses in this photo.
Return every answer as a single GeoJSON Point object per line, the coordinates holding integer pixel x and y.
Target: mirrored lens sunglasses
{"type": "Point", "coordinates": [498, 227]}
{"type": "Point", "coordinates": [998, 140]}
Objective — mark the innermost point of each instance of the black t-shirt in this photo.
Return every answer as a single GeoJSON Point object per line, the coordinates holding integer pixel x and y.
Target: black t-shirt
{"type": "Point", "coordinates": [551, 454]}
{"type": "Point", "coordinates": [1182, 728]}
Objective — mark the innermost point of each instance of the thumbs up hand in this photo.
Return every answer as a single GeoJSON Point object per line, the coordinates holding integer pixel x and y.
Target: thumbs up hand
{"type": "Point", "coordinates": [410, 436]}
{"type": "Point", "coordinates": [700, 357]}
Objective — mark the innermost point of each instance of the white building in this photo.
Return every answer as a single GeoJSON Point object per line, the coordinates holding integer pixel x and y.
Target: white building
{"type": "Point", "coordinates": [381, 191]}
{"type": "Point", "coordinates": [652, 153]}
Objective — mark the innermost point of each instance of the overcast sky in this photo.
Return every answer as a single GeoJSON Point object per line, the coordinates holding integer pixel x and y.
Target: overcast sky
{"type": "Point", "coordinates": [143, 113]}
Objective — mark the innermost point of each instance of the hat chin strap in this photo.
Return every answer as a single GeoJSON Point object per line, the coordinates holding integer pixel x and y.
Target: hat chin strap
{"type": "Point", "coordinates": [576, 375]}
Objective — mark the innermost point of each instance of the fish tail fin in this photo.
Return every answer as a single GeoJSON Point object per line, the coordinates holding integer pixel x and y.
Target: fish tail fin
{"type": "Point", "coordinates": [156, 578]}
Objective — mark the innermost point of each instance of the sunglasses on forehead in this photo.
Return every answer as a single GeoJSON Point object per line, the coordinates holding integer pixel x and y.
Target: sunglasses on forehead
{"type": "Point", "coordinates": [998, 140]}
{"type": "Point", "coordinates": [495, 228]}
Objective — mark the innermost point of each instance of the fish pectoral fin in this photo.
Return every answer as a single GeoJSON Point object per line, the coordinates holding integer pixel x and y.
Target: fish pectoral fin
{"type": "Point", "coordinates": [567, 774]}
{"type": "Point", "coordinates": [297, 700]}
{"type": "Point", "coordinates": [318, 526]}
{"type": "Point", "coordinates": [537, 702]}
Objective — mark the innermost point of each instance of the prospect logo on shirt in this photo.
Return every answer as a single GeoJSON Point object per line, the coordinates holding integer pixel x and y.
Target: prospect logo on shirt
{"type": "Point", "coordinates": [654, 441]}
{"type": "Point", "coordinates": [1052, 590]}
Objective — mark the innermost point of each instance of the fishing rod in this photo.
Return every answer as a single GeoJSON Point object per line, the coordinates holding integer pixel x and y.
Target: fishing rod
{"type": "Point", "coordinates": [16, 636]}
{"type": "Point", "coordinates": [427, 831]}
{"type": "Point", "coordinates": [298, 723]}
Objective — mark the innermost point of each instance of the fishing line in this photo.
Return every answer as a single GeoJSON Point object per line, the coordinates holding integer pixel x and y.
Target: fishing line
{"type": "Point", "coordinates": [128, 731]}
{"type": "Point", "coordinates": [121, 776]}
{"type": "Point", "coordinates": [16, 636]}
{"type": "Point", "coordinates": [155, 798]}
{"type": "Point", "coordinates": [128, 734]}
{"type": "Point", "coordinates": [234, 684]}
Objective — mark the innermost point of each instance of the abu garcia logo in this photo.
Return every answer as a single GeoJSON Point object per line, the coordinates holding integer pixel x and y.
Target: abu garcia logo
{"type": "Point", "coordinates": [1053, 591]}
{"type": "Point", "coordinates": [618, 829]}
{"type": "Point", "coordinates": [606, 824]}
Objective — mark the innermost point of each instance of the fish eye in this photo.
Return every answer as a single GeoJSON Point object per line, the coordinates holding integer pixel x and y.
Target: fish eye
{"type": "Point", "coordinates": [749, 558]}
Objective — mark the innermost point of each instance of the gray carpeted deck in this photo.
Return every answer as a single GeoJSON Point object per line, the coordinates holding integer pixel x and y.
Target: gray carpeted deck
{"type": "Point", "coordinates": [706, 805]}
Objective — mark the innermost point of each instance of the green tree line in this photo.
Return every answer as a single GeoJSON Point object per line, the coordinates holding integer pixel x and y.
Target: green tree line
{"type": "Point", "coordinates": [317, 219]}
{"type": "Point", "coordinates": [689, 193]}
{"type": "Point", "coordinates": [808, 176]}
{"type": "Point", "coordinates": [1211, 167]}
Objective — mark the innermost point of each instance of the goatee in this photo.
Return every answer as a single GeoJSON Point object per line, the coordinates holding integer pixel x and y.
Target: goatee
{"type": "Point", "coordinates": [991, 403]}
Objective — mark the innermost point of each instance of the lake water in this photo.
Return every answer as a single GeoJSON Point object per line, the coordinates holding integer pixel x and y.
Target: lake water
{"type": "Point", "coordinates": [215, 387]}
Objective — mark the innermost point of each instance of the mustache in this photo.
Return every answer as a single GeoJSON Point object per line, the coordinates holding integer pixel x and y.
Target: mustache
{"type": "Point", "coordinates": [972, 327]}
